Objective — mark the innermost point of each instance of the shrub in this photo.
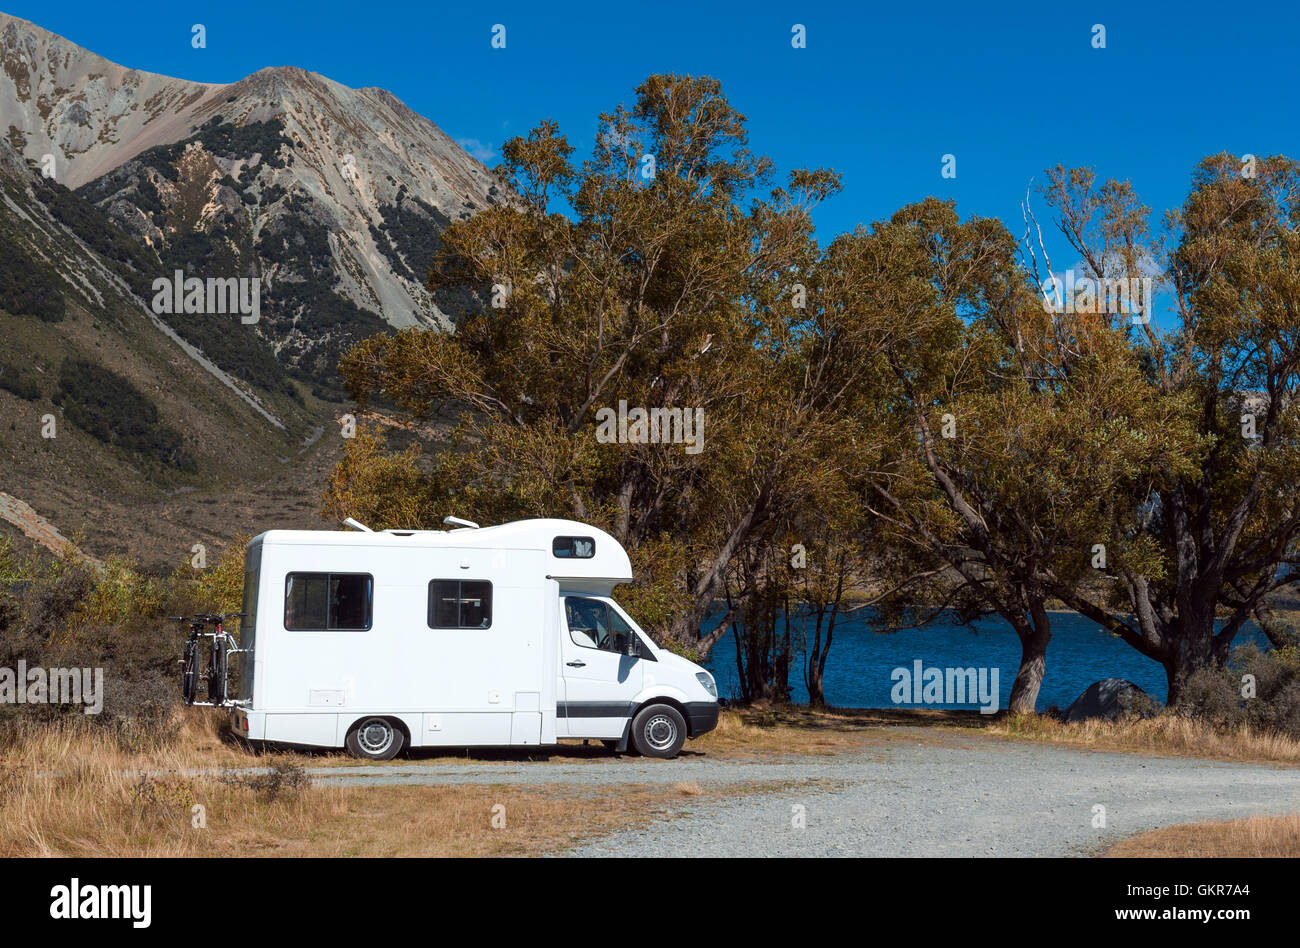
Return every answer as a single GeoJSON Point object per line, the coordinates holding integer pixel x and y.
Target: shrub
{"type": "Point", "coordinates": [285, 776]}
{"type": "Point", "coordinates": [16, 381]}
{"type": "Point", "coordinates": [109, 408]}
{"type": "Point", "coordinates": [27, 288]}
{"type": "Point", "coordinates": [1216, 695]}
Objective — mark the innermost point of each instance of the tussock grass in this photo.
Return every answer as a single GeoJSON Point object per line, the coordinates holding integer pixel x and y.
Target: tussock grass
{"type": "Point", "coordinates": [189, 738]}
{"type": "Point", "coordinates": [76, 790]}
{"type": "Point", "coordinates": [1265, 837]}
{"type": "Point", "coordinates": [1165, 733]}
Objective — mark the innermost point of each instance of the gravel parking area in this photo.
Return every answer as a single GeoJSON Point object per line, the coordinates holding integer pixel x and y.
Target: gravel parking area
{"type": "Point", "coordinates": [964, 795]}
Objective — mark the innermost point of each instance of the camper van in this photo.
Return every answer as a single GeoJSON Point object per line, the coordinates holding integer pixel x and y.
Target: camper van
{"type": "Point", "coordinates": [474, 636]}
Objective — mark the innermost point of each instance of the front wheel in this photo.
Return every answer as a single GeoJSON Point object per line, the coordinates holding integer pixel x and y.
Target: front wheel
{"type": "Point", "coordinates": [659, 731]}
{"type": "Point", "coordinates": [375, 739]}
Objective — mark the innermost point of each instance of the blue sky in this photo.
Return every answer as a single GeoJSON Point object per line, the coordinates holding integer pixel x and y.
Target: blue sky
{"type": "Point", "coordinates": [878, 94]}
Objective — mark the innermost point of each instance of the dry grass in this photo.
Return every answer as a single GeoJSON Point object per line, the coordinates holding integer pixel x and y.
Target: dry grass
{"type": "Point", "coordinates": [192, 739]}
{"type": "Point", "coordinates": [1163, 734]}
{"type": "Point", "coordinates": [802, 731]}
{"type": "Point", "coordinates": [1276, 837]}
{"type": "Point", "coordinates": [75, 791]}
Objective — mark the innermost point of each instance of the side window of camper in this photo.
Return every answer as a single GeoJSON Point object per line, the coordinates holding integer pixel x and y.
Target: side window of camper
{"type": "Point", "coordinates": [460, 604]}
{"type": "Point", "coordinates": [573, 548]}
{"type": "Point", "coordinates": [317, 602]}
{"type": "Point", "coordinates": [592, 624]}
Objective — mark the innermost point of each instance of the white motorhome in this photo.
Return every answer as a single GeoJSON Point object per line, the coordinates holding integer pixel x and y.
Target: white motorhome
{"type": "Point", "coordinates": [502, 635]}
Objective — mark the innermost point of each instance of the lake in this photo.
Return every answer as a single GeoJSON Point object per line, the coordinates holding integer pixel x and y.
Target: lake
{"type": "Point", "coordinates": [859, 669]}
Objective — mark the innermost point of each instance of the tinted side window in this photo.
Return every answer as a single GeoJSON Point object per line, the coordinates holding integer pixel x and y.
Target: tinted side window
{"type": "Point", "coordinates": [460, 604]}
{"type": "Point", "coordinates": [592, 624]}
{"type": "Point", "coordinates": [316, 602]}
{"type": "Point", "coordinates": [575, 548]}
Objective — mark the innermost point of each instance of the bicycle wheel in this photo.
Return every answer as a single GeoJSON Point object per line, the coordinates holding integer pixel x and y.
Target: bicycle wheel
{"type": "Point", "coordinates": [217, 672]}
{"type": "Point", "coordinates": [190, 672]}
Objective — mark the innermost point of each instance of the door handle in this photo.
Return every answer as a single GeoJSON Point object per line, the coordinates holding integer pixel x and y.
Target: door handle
{"type": "Point", "coordinates": [576, 664]}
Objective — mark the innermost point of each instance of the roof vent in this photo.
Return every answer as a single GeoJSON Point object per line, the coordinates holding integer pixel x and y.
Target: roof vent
{"type": "Point", "coordinates": [457, 522]}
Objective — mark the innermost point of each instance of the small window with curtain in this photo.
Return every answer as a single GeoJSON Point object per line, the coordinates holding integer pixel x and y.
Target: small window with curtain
{"type": "Point", "coordinates": [460, 604]}
{"type": "Point", "coordinates": [573, 548]}
{"type": "Point", "coordinates": [320, 602]}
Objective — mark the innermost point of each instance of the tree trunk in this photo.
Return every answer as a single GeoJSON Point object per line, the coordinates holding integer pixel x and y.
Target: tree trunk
{"type": "Point", "coordinates": [1192, 647]}
{"type": "Point", "coordinates": [812, 666]}
{"type": "Point", "coordinates": [1034, 636]}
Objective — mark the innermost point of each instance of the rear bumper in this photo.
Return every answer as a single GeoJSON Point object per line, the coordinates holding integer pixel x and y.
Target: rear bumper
{"type": "Point", "coordinates": [702, 717]}
{"type": "Point", "coordinates": [250, 725]}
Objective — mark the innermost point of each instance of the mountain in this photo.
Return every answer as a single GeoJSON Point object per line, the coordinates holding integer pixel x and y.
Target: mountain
{"type": "Point", "coordinates": [333, 197]}
{"type": "Point", "coordinates": [322, 204]}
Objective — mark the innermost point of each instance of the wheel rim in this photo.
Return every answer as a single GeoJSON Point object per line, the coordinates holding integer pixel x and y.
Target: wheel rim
{"type": "Point", "coordinates": [660, 732]}
{"type": "Point", "coordinates": [375, 736]}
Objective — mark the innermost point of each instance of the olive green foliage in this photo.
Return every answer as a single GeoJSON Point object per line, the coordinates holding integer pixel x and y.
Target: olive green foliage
{"type": "Point", "coordinates": [27, 287]}
{"type": "Point", "coordinates": [19, 381]}
{"type": "Point", "coordinates": [108, 407]}
{"type": "Point", "coordinates": [900, 405]}
{"type": "Point", "coordinates": [658, 293]}
{"type": "Point", "coordinates": [67, 612]}
{"type": "Point", "coordinates": [1210, 533]}
{"type": "Point", "coordinates": [1258, 689]}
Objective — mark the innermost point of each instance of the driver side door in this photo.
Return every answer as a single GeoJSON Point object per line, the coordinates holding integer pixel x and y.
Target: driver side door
{"type": "Point", "coordinates": [601, 681]}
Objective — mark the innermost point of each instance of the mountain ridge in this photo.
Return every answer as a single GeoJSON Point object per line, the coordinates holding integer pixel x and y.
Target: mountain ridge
{"type": "Point", "coordinates": [182, 427]}
{"type": "Point", "coordinates": [359, 153]}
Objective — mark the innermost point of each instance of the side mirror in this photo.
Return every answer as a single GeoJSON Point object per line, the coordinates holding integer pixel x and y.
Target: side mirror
{"type": "Point", "coordinates": [633, 646]}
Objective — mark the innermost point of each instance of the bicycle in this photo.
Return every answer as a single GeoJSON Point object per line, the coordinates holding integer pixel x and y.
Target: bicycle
{"type": "Point", "coordinates": [217, 670]}
{"type": "Point", "coordinates": [190, 662]}
{"type": "Point", "coordinates": [219, 656]}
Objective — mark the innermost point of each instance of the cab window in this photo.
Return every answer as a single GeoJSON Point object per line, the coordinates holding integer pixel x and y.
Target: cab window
{"type": "Point", "coordinates": [593, 624]}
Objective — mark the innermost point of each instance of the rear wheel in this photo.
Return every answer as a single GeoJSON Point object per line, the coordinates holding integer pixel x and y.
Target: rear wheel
{"type": "Point", "coordinates": [190, 672]}
{"type": "Point", "coordinates": [375, 739]}
{"type": "Point", "coordinates": [659, 731]}
{"type": "Point", "coordinates": [217, 673]}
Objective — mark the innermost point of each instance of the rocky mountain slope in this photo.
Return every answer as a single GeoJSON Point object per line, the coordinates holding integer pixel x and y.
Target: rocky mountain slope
{"type": "Point", "coordinates": [333, 197]}
{"type": "Point", "coordinates": [328, 200]}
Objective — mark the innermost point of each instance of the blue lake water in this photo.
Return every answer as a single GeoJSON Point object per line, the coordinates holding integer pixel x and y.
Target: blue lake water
{"type": "Point", "coordinates": [859, 669]}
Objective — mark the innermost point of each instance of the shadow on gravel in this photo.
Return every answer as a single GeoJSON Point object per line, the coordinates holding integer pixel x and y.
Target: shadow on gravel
{"type": "Point", "coordinates": [851, 719]}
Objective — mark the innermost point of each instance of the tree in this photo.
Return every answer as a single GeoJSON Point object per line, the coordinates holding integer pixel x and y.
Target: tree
{"type": "Point", "coordinates": [654, 296]}
{"type": "Point", "coordinates": [1201, 550]}
{"type": "Point", "coordinates": [1011, 429]}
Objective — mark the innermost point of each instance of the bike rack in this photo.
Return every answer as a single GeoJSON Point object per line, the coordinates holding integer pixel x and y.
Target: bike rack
{"type": "Point", "coordinates": [232, 648]}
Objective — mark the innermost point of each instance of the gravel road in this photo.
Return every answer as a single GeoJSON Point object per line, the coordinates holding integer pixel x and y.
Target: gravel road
{"type": "Point", "coordinates": [960, 795]}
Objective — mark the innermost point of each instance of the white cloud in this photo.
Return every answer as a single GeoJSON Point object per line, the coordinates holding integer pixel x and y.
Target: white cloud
{"type": "Point", "coordinates": [477, 149]}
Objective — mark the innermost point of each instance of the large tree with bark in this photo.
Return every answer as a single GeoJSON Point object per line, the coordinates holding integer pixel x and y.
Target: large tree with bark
{"type": "Point", "coordinates": [1013, 429]}
{"type": "Point", "coordinates": [657, 290]}
{"type": "Point", "coordinates": [1199, 554]}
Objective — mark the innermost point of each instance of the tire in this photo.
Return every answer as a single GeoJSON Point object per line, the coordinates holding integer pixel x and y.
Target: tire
{"type": "Point", "coordinates": [375, 738]}
{"type": "Point", "coordinates": [190, 673]}
{"type": "Point", "coordinates": [659, 730]}
{"type": "Point", "coordinates": [217, 674]}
